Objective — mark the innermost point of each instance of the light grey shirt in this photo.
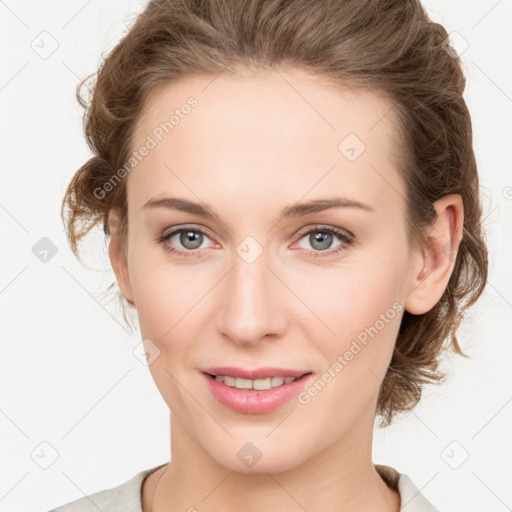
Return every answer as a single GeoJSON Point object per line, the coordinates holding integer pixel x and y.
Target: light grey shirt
{"type": "Point", "coordinates": [127, 496]}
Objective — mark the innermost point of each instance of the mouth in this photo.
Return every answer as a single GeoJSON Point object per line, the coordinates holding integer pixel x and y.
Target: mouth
{"type": "Point", "coordinates": [254, 391]}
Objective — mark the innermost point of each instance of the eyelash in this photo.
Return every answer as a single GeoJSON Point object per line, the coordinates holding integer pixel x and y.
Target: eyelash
{"type": "Point", "coordinates": [347, 240]}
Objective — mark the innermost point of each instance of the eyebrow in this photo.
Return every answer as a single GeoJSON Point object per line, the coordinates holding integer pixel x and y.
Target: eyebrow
{"type": "Point", "coordinates": [296, 210]}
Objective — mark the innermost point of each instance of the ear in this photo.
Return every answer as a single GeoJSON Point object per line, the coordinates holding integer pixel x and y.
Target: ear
{"type": "Point", "coordinates": [433, 266]}
{"type": "Point", "coordinates": [117, 258]}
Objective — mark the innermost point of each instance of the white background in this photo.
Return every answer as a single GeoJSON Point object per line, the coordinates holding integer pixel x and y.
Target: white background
{"type": "Point", "coordinates": [69, 376]}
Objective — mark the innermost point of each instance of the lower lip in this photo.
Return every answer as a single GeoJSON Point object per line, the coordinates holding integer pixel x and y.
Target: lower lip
{"type": "Point", "coordinates": [250, 401]}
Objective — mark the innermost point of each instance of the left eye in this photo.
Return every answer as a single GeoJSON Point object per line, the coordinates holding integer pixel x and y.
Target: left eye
{"type": "Point", "coordinates": [321, 239]}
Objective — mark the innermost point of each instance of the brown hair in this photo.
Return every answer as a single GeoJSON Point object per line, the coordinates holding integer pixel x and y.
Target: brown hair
{"type": "Point", "coordinates": [390, 47]}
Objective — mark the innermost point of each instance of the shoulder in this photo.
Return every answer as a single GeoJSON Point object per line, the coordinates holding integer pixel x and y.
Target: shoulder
{"type": "Point", "coordinates": [412, 499]}
{"type": "Point", "coordinates": [410, 496]}
{"type": "Point", "coordinates": [125, 497]}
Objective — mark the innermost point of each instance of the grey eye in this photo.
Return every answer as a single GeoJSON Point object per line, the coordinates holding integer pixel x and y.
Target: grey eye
{"type": "Point", "coordinates": [321, 239]}
{"type": "Point", "coordinates": [189, 239]}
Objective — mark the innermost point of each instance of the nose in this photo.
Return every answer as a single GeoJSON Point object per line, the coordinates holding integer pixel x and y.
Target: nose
{"type": "Point", "coordinates": [251, 303]}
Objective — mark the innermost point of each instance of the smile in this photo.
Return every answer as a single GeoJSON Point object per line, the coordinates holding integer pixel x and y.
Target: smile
{"type": "Point", "coordinates": [267, 390]}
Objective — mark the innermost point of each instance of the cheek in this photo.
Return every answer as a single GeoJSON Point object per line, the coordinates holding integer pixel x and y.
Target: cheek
{"type": "Point", "coordinates": [363, 309]}
{"type": "Point", "coordinates": [163, 293]}
{"type": "Point", "coordinates": [358, 310]}
{"type": "Point", "coordinates": [349, 298]}
{"type": "Point", "coordinates": [168, 305]}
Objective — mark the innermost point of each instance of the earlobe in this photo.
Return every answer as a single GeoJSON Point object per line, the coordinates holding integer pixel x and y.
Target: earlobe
{"type": "Point", "coordinates": [117, 258]}
{"type": "Point", "coordinates": [433, 267]}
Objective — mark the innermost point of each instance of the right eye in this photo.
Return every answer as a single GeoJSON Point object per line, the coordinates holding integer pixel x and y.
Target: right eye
{"type": "Point", "coordinates": [190, 238]}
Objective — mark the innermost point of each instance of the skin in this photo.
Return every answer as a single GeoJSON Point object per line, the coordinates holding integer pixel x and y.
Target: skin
{"type": "Point", "coordinates": [252, 146]}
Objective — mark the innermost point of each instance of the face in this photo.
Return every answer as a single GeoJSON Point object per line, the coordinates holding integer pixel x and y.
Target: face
{"type": "Point", "coordinates": [265, 281]}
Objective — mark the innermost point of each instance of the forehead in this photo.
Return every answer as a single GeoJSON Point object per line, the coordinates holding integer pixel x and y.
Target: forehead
{"type": "Point", "coordinates": [239, 136]}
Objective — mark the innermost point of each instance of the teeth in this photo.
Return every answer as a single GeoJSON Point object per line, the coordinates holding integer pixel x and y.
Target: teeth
{"type": "Point", "coordinates": [243, 383]}
{"type": "Point", "coordinates": [258, 384]}
{"type": "Point", "coordinates": [229, 381]}
{"type": "Point", "coordinates": [277, 381]}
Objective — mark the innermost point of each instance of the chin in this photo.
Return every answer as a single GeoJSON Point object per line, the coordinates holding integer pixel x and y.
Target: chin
{"type": "Point", "coordinates": [260, 456]}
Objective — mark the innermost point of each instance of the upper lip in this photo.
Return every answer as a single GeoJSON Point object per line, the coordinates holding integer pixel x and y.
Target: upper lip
{"type": "Point", "coordinates": [257, 373]}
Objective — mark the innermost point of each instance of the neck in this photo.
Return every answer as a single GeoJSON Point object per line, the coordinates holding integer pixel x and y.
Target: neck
{"type": "Point", "coordinates": [340, 477]}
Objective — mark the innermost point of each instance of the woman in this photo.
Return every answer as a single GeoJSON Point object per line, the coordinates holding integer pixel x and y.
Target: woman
{"type": "Point", "coordinates": [292, 204]}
